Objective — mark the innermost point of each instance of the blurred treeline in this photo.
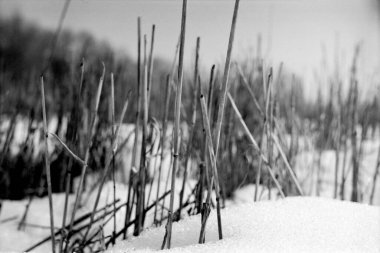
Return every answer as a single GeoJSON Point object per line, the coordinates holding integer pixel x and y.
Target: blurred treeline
{"type": "Point", "coordinates": [26, 53]}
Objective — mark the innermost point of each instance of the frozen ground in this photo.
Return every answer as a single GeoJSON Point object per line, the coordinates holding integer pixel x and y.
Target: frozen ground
{"type": "Point", "coordinates": [298, 224]}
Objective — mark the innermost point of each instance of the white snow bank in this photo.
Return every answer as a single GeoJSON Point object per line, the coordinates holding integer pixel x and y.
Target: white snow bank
{"type": "Point", "coordinates": [297, 224]}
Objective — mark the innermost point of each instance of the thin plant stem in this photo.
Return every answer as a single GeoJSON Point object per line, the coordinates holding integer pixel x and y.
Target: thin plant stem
{"type": "Point", "coordinates": [142, 171]}
{"type": "Point", "coordinates": [113, 152]}
{"type": "Point", "coordinates": [135, 159]}
{"type": "Point", "coordinates": [223, 93]}
{"type": "Point", "coordinates": [215, 177]}
{"type": "Point", "coordinates": [256, 146]}
{"type": "Point", "coordinates": [177, 120]}
{"type": "Point", "coordinates": [89, 145]}
{"type": "Point", "coordinates": [106, 170]}
{"type": "Point", "coordinates": [47, 165]}
{"type": "Point", "coordinates": [192, 126]}
{"type": "Point", "coordinates": [150, 62]}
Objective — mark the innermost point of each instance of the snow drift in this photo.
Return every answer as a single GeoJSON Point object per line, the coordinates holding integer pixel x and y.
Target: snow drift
{"type": "Point", "coordinates": [298, 224]}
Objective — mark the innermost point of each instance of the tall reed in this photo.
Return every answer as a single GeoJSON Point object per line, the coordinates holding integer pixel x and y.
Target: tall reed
{"type": "Point", "coordinates": [47, 164]}
{"type": "Point", "coordinates": [177, 119]}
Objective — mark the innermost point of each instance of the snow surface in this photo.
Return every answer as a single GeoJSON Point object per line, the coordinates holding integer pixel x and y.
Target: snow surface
{"type": "Point", "coordinates": [38, 218]}
{"type": "Point", "coordinates": [296, 224]}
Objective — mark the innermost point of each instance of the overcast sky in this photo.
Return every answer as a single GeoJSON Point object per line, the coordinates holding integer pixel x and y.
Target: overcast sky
{"type": "Point", "coordinates": [293, 31]}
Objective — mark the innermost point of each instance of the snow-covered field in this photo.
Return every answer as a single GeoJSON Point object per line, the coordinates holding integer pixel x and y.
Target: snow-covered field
{"type": "Point", "coordinates": [297, 224]}
{"type": "Point", "coordinates": [294, 224]}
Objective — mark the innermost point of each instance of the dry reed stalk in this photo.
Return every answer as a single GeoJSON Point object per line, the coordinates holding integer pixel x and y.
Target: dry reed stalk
{"type": "Point", "coordinates": [68, 150]}
{"type": "Point", "coordinates": [107, 168]}
{"type": "Point", "coordinates": [319, 148]}
{"type": "Point", "coordinates": [114, 140]}
{"type": "Point", "coordinates": [163, 137]}
{"type": "Point", "coordinates": [142, 170]}
{"type": "Point", "coordinates": [204, 177]}
{"type": "Point", "coordinates": [354, 120]}
{"type": "Point", "coordinates": [166, 188]}
{"type": "Point", "coordinates": [196, 86]}
{"type": "Point", "coordinates": [294, 135]}
{"type": "Point", "coordinates": [355, 154]}
{"type": "Point", "coordinates": [374, 179]}
{"type": "Point", "coordinates": [214, 179]}
{"type": "Point", "coordinates": [287, 165]}
{"type": "Point", "coordinates": [150, 62]}
{"type": "Point", "coordinates": [134, 160]}
{"type": "Point", "coordinates": [245, 82]}
{"type": "Point", "coordinates": [170, 83]}
{"type": "Point", "coordinates": [339, 140]}
{"type": "Point", "coordinates": [21, 224]}
{"type": "Point", "coordinates": [267, 82]}
{"type": "Point", "coordinates": [89, 145]}
{"type": "Point", "coordinates": [255, 145]}
{"type": "Point", "coordinates": [177, 119]}
{"type": "Point", "coordinates": [265, 130]}
{"type": "Point", "coordinates": [47, 165]}
{"type": "Point", "coordinates": [223, 93]}
{"type": "Point", "coordinates": [270, 140]}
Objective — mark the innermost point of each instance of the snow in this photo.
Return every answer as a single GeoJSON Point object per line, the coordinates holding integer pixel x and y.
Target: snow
{"type": "Point", "coordinates": [296, 224]}
{"type": "Point", "coordinates": [12, 239]}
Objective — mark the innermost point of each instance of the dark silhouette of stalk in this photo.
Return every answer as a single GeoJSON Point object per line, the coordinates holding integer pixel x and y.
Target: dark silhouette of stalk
{"type": "Point", "coordinates": [150, 63]}
{"type": "Point", "coordinates": [339, 140]}
{"type": "Point", "coordinates": [264, 132]}
{"type": "Point", "coordinates": [136, 131]}
{"type": "Point", "coordinates": [223, 93]}
{"type": "Point", "coordinates": [114, 140]}
{"type": "Point", "coordinates": [142, 172]}
{"type": "Point", "coordinates": [196, 89]}
{"type": "Point", "coordinates": [355, 154]}
{"type": "Point", "coordinates": [203, 166]}
{"type": "Point", "coordinates": [214, 179]}
{"type": "Point", "coordinates": [177, 120]}
{"type": "Point", "coordinates": [354, 120]}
